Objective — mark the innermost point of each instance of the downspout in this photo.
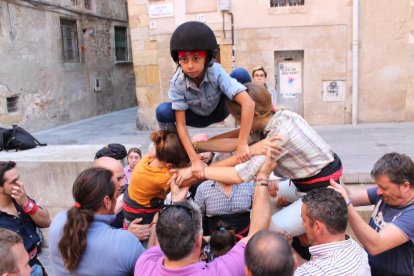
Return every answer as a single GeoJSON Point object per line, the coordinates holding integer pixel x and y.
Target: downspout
{"type": "Point", "coordinates": [233, 58]}
{"type": "Point", "coordinates": [355, 60]}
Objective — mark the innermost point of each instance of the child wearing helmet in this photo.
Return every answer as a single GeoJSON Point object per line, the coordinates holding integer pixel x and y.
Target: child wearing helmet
{"type": "Point", "coordinates": [198, 91]}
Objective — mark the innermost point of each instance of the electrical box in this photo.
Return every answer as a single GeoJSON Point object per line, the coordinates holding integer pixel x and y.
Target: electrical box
{"type": "Point", "coordinates": [97, 85]}
{"type": "Point", "coordinates": [224, 5]}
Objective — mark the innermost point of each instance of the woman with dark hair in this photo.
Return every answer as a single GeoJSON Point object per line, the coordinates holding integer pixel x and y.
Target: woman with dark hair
{"type": "Point", "coordinates": [81, 240]}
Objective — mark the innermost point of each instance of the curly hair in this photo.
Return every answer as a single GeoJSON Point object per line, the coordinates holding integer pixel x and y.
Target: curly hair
{"type": "Point", "coordinates": [169, 149]}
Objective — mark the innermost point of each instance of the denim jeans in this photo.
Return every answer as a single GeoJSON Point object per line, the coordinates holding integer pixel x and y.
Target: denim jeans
{"type": "Point", "coordinates": [166, 116]}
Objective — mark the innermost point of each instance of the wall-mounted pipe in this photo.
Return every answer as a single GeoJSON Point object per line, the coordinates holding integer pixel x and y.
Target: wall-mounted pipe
{"type": "Point", "coordinates": [355, 60]}
{"type": "Point", "coordinates": [233, 57]}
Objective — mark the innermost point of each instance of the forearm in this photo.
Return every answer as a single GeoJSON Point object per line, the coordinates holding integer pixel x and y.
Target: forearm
{"type": "Point", "coordinates": [219, 145]}
{"type": "Point", "coordinates": [41, 218]}
{"type": "Point", "coordinates": [247, 113]}
{"type": "Point", "coordinates": [368, 237]}
{"type": "Point", "coordinates": [229, 134]}
{"type": "Point", "coordinates": [230, 161]}
{"type": "Point", "coordinates": [186, 141]}
{"type": "Point", "coordinates": [222, 174]}
{"type": "Point", "coordinates": [261, 211]}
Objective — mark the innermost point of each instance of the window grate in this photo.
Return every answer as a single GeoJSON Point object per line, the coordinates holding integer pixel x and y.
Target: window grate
{"type": "Point", "coordinates": [70, 49]}
{"type": "Point", "coordinates": [284, 3]}
{"type": "Point", "coordinates": [121, 44]}
{"type": "Point", "coordinates": [12, 104]}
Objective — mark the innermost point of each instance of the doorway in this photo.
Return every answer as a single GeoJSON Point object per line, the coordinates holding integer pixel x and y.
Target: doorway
{"type": "Point", "coordinates": [289, 79]}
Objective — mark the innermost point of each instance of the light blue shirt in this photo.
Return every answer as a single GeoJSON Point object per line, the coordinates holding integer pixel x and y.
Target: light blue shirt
{"type": "Point", "coordinates": [109, 251]}
{"type": "Point", "coordinates": [184, 93]}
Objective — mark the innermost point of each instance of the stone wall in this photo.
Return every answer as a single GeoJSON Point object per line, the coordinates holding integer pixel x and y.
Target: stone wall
{"type": "Point", "coordinates": [52, 92]}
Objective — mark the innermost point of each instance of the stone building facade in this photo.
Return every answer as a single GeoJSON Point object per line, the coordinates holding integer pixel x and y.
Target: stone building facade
{"type": "Point", "coordinates": [313, 51]}
{"type": "Point", "coordinates": [63, 60]}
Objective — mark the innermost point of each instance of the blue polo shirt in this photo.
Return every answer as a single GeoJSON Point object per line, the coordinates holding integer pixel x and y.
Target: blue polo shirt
{"type": "Point", "coordinates": [108, 251]}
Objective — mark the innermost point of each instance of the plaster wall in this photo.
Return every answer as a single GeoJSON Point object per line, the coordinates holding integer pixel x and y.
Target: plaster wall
{"type": "Point", "coordinates": [51, 92]}
{"type": "Point", "coordinates": [386, 69]}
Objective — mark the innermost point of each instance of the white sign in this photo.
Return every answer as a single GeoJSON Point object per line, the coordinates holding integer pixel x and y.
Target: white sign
{"type": "Point", "coordinates": [201, 18]}
{"type": "Point", "coordinates": [160, 10]}
{"type": "Point", "coordinates": [290, 79]}
{"type": "Point", "coordinates": [333, 91]}
{"type": "Point", "coordinates": [153, 25]}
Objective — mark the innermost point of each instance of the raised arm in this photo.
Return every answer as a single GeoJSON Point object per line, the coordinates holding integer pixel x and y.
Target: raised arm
{"type": "Point", "coordinates": [39, 215]}
{"type": "Point", "coordinates": [374, 242]}
{"type": "Point", "coordinates": [261, 211]}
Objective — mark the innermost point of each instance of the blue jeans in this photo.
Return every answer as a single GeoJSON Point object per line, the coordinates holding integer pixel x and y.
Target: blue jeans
{"type": "Point", "coordinates": [166, 115]}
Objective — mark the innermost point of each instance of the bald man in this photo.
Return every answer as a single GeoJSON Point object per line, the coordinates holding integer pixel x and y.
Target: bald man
{"type": "Point", "coordinates": [260, 255]}
{"type": "Point", "coordinates": [117, 169]}
{"type": "Point", "coordinates": [141, 231]}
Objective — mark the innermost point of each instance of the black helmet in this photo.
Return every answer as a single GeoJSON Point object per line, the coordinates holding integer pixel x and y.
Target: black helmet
{"type": "Point", "coordinates": [193, 36]}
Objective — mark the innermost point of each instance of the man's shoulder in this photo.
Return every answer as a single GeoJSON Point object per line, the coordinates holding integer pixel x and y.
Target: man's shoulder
{"type": "Point", "coordinates": [232, 262]}
{"type": "Point", "coordinates": [149, 261]}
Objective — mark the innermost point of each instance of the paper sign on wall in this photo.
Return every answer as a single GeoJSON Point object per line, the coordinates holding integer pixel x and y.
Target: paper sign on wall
{"type": "Point", "coordinates": [333, 91]}
{"type": "Point", "coordinates": [290, 79]}
{"type": "Point", "coordinates": [160, 10]}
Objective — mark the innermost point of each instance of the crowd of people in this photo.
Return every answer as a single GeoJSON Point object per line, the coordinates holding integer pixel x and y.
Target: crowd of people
{"type": "Point", "coordinates": [202, 206]}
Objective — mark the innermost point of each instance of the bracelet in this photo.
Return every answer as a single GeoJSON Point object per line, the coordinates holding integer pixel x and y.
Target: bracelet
{"type": "Point", "coordinates": [261, 183]}
{"type": "Point", "coordinates": [196, 146]}
{"type": "Point", "coordinates": [349, 202]}
{"type": "Point", "coordinates": [30, 208]}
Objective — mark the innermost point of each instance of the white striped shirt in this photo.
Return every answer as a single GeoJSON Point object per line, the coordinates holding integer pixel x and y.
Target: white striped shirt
{"type": "Point", "coordinates": [336, 258]}
{"type": "Point", "coordinates": [304, 153]}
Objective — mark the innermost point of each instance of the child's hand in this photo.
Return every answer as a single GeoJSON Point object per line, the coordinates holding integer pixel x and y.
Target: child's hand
{"type": "Point", "coordinates": [197, 168]}
{"type": "Point", "coordinates": [243, 153]}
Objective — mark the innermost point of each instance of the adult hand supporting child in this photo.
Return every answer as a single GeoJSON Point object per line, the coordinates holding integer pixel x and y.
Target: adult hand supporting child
{"type": "Point", "coordinates": [273, 143]}
{"type": "Point", "coordinates": [177, 193]}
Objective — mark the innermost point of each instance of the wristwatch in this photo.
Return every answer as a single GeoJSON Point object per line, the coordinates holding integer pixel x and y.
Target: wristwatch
{"type": "Point", "coordinates": [261, 183]}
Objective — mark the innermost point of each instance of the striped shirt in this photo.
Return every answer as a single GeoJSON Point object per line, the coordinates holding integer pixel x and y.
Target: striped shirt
{"type": "Point", "coordinates": [213, 201]}
{"type": "Point", "coordinates": [336, 258]}
{"type": "Point", "coordinates": [304, 152]}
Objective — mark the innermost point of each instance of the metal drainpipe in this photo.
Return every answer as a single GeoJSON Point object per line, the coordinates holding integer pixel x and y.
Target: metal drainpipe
{"type": "Point", "coordinates": [233, 57]}
{"type": "Point", "coordinates": [355, 60]}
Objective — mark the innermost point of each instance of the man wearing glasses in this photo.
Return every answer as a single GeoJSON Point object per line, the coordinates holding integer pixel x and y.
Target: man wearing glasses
{"type": "Point", "coordinates": [179, 235]}
{"type": "Point", "coordinates": [259, 76]}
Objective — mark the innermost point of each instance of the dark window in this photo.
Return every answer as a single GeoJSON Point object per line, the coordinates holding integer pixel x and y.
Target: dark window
{"type": "Point", "coordinates": [12, 104]}
{"type": "Point", "coordinates": [283, 3]}
{"type": "Point", "coordinates": [121, 44]}
{"type": "Point", "coordinates": [88, 4]}
{"type": "Point", "coordinates": [75, 2]}
{"type": "Point", "coordinates": [70, 49]}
